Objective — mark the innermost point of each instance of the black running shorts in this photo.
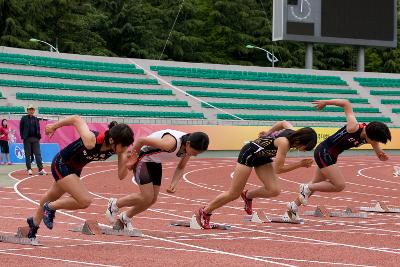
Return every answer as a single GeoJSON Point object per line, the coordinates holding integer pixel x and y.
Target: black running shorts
{"type": "Point", "coordinates": [59, 169]}
{"type": "Point", "coordinates": [148, 172]}
{"type": "Point", "coordinates": [248, 157]}
{"type": "Point", "coordinates": [323, 158]}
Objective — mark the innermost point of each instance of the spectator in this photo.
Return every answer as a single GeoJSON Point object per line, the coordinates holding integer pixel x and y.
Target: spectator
{"type": "Point", "coordinates": [4, 143]}
{"type": "Point", "coordinates": [29, 129]}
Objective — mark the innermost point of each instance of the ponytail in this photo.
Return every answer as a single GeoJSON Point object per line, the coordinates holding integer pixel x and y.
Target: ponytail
{"type": "Point", "coordinates": [120, 133]}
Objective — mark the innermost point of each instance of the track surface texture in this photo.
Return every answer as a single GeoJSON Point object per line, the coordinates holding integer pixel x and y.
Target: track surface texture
{"type": "Point", "coordinates": [328, 241]}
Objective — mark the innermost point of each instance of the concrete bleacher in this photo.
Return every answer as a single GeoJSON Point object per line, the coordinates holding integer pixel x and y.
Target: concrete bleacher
{"type": "Point", "coordinates": [63, 84]}
{"type": "Point", "coordinates": [281, 96]}
{"type": "Point", "coordinates": [85, 85]}
{"type": "Point", "coordinates": [384, 90]}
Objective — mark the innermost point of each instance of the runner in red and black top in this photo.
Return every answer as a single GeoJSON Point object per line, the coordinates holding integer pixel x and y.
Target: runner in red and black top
{"type": "Point", "coordinates": [328, 177]}
{"type": "Point", "coordinates": [258, 154]}
{"type": "Point", "coordinates": [327, 152]}
{"type": "Point", "coordinates": [75, 156]}
{"type": "Point", "coordinates": [67, 166]}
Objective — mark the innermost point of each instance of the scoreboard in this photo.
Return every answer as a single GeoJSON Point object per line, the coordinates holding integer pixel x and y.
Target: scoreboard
{"type": "Point", "coordinates": [354, 22]}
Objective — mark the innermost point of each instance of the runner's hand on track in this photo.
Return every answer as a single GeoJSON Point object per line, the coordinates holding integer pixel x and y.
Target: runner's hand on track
{"type": "Point", "coordinates": [306, 163]}
{"type": "Point", "coordinates": [171, 190]}
{"type": "Point", "coordinates": [382, 156]}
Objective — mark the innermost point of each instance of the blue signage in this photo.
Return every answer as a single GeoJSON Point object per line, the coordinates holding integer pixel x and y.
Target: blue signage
{"type": "Point", "coordinates": [47, 150]}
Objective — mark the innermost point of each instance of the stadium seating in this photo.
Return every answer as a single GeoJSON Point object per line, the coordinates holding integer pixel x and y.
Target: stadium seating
{"type": "Point", "coordinates": [78, 87]}
{"type": "Point", "coordinates": [101, 100]}
{"type": "Point", "coordinates": [266, 97]}
{"type": "Point", "coordinates": [61, 63]}
{"type": "Point", "coordinates": [285, 107]}
{"type": "Point", "coordinates": [74, 76]}
{"type": "Point", "coordinates": [247, 75]}
{"type": "Point", "coordinates": [263, 87]}
{"type": "Point", "coordinates": [120, 113]}
{"type": "Point", "coordinates": [299, 118]}
{"type": "Point", "coordinates": [385, 93]}
{"type": "Point", "coordinates": [378, 82]}
{"type": "Point", "coordinates": [13, 109]}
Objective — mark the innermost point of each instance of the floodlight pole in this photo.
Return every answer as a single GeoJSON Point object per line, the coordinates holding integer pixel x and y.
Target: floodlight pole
{"type": "Point", "coordinates": [271, 57]}
{"type": "Point", "coordinates": [309, 56]}
{"type": "Point", "coordinates": [361, 59]}
{"type": "Point", "coordinates": [40, 41]}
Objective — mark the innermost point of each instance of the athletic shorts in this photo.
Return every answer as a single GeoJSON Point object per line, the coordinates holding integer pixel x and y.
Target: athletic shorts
{"type": "Point", "coordinates": [4, 147]}
{"type": "Point", "coordinates": [59, 169]}
{"type": "Point", "coordinates": [323, 158]}
{"type": "Point", "coordinates": [248, 157]}
{"type": "Point", "coordinates": [148, 172]}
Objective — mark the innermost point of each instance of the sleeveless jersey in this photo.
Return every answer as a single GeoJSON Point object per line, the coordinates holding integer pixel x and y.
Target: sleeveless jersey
{"type": "Point", "coordinates": [151, 154]}
{"type": "Point", "coordinates": [265, 144]}
{"type": "Point", "coordinates": [76, 155]}
{"type": "Point", "coordinates": [343, 140]}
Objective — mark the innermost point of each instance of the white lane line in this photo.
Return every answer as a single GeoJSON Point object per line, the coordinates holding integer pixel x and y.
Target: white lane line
{"type": "Point", "coordinates": [153, 237]}
{"type": "Point", "coordinates": [56, 259]}
{"type": "Point", "coordinates": [294, 237]}
{"type": "Point", "coordinates": [360, 172]}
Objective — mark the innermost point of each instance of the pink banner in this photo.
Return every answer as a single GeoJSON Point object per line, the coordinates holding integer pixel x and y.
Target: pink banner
{"type": "Point", "coordinates": [222, 137]}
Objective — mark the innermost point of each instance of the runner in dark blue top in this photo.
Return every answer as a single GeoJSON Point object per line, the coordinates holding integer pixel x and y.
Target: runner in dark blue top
{"type": "Point", "coordinates": [328, 177]}
{"type": "Point", "coordinates": [67, 166]}
{"type": "Point", "coordinates": [258, 154]}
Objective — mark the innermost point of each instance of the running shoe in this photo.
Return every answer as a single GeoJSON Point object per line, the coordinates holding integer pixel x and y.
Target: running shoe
{"type": "Point", "coordinates": [126, 221]}
{"type": "Point", "coordinates": [42, 172]}
{"type": "Point", "coordinates": [203, 219]}
{"type": "Point", "coordinates": [33, 228]}
{"type": "Point", "coordinates": [293, 211]}
{"type": "Point", "coordinates": [305, 193]}
{"type": "Point", "coordinates": [48, 215]}
{"type": "Point", "coordinates": [248, 203]}
{"type": "Point", "coordinates": [112, 209]}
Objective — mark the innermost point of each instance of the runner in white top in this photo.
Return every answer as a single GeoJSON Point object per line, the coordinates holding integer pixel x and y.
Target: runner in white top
{"type": "Point", "coordinates": [147, 155]}
{"type": "Point", "coordinates": [152, 154]}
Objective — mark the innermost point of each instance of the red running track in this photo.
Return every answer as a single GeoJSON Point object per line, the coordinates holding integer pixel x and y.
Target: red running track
{"type": "Point", "coordinates": [319, 242]}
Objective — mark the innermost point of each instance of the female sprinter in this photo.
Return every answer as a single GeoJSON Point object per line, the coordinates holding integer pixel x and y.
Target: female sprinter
{"type": "Point", "coordinates": [147, 156]}
{"type": "Point", "coordinates": [67, 166]}
{"type": "Point", "coordinates": [328, 177]}
{"type": "Point", "coordinates": [258, 154]}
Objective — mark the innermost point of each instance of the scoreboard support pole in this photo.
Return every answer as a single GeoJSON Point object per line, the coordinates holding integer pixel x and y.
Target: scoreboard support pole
{"type": "Point", "coordinates": [361, 59]}
{"type": "Point", "coordinates": [309, 56]}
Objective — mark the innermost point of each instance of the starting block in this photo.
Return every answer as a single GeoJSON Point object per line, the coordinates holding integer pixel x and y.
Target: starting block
{"type": "Point", "coordinates": [261, 217]}
{"type": "Point", "coordinates": [349, 212]}
{"type": "Point", "coordinates": [381, 207]}
{"type": "Point", "coordinates": [320, 211]}
{"type": "Point", "coordinates": [93, 228]}
{"type": "Point", "coordinates": [396, 171]}
{"type": "Point", "coordinates": [21, 237]}
{"type": "Point", "coordinates": [193, 224]}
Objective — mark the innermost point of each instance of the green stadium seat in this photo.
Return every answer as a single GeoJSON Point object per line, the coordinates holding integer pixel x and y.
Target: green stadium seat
{"type": "Point", "coordinates": [76, 87]}
{"type": "Point", "coordinates": [264, 88]}
{"type": "Point", "coordinates": [285, 107]}
{"type": "Point", "coordinates": [247, 75]}
{"type": "Point", "coordinates": [101, 100]}
{"type": "Point", "coordinates": [299, 118]}
{"type": "Point", "coordinates": [267, 97]}
{"type": "Point", "coordinates": [121, 113]}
